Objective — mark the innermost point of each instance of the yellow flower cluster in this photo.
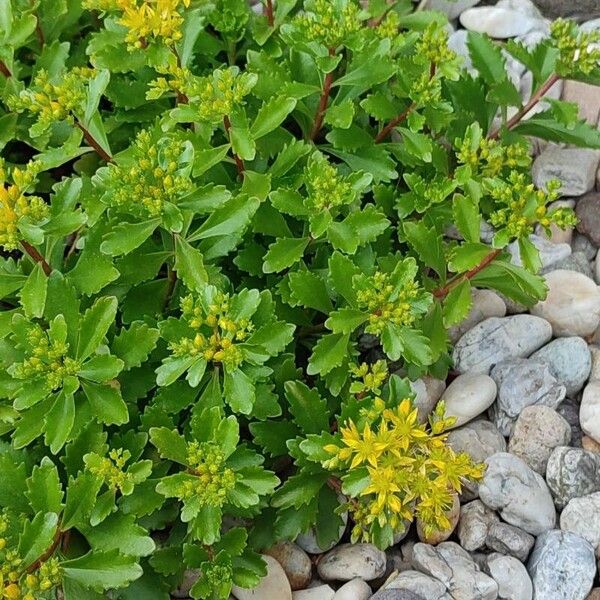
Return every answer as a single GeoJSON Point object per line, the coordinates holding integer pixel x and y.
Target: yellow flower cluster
{"type": "Point", "coordinates": [111, 469]}
{"type": "Point", "coordinates": [386, 304]}
{"type": "Point", "coordinates": [18, 584]}
{"type": "Point", "coordinates": [326, 188]}
{"type": "Point", "coordinates": [54, 101]}
{"type": "Point", "coordinates": [578, 50]}
{"type": "Point", "coordinates": [388, 28]}
{"type": "Point", "coordinates": [432, 46]}
{"type": "Point", "coordinates": [146, 20]}
{"type": "Point", "coordinates": [212, 479]}
{"type": "Point", "coordinates": [489, 157]}
{"type": "Point", "coordinates": [372, 377]}
{"type": "Point", "coordinates": [15, 205]}
{"type": "Point", "coordinates": [523, 206]}
{"type": "Point", "coordinates": [216, 333]}
{"type": "Point", "coordinates": [326, 24]}
{"type": "Point", "coordinates": [411, 471]}
{"type": "Point", "coordinates": [158, 173]}
{"type": "Point", "coordinates": [47, 359]}
{"type": "Point", "coordinates": [425, 90]}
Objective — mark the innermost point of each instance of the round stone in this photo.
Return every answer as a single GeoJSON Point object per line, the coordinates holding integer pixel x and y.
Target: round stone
{"type": "Point", "coordinates": [476, 519]}
{"type": "Point", "coordinates": [274, 586]}
{"type": "Point", "coordinates": [319, 592]}
{"type": "Point", "coordinates": [497, 339]}
{"type": "Point", "coordinates": [589, 410]}
{"type": "Point", "coordinates": [518, 492]}
{"type": "Point", "coordinates": [417, 583]}
{"type": "Point", "coordinates": [295, 563]}
{"type": "Point", "coordinates": [572, 305]}
{"type": "Point", "coordinates": [582, 516]}
{"type": "Point", "coordinates": [538, 430]}
{"type": "Point", "coordinates": [511, 576]}
{"type": "Point", "coordinates": [569, 360]}
{"type": "Point", "coordinates": [468, 396]}
{"type": "Point", "coordinates": [588, 213]}
{"type": "Point", "coordinates": [562, 566]}
{"type": "Point", "coordinates": [497, 22]}
{"type": "Point", "coordinates": [485, 304]}
{"type": "Point", "coordinates": [509, 539]}
{"type": "Point", "coordinates": [347, 561]}
{"type": "Point", "coordinates": [356, 589]}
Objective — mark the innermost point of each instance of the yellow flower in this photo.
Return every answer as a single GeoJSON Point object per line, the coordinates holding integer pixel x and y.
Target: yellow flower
{"type": "Point", "coordinates": [365, 447]}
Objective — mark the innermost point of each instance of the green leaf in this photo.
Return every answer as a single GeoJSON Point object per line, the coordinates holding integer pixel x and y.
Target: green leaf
{"type": "Point", "coordinates": [37, 537]}
{"type": "Point", "coordinates": [92, 272]}
{"type": "Point", "coordinates": [106, 402]}
{"type": "Point", "coordinates": [545, 126]}
{"type": "Point", "coordinates": [189, 265]}
{"type": "Point", "coordinates": [134, 345]}
{"type": "Point", "coordinates": [172, 369]}
{"type": "Point", "coordinates": [81, 497]}
{"type": "Point", "coordinates": [307, 407]}
{"type": "Point", "coordinates": [530, 255]}
{"type": "Point", "coordinates": [239, 391]}
{"type": "Point", "coordinates": [341, 272]}
{"type": "Point", "coordinates": [120, 533]}
{"type": "Point", "coordinates": [33, 293]}
{"type": "Point", "coordinates": [59, 421]}
{"type": "Point", "coordinates": [271, 115]}
{"type": "Point", "coordinates": [102, 570]}
{"type": "Point", "coordinates": [274, 435]}
{"type": "Point", "coordinates": [299, 490]}
{"type": "Point", "coordinates": [44, 489]}
{"type": "Point", "coordinates": [486, 57]}
{"type": "Point", "coordinates": [95, 324]}
{"type": "Point", "coordinates": [126, 237]}
{"type": "Point", "coordinates": [242, 142]}
{"type": "Point", "coordinates": [101, 368]}
{"type": "Point", "coordinates": [427, 243]}
{"type": "Point", "coordinates": [96, 87]}
{"type": "Point", "coordinates": [229, 219]}
{"type": "Point", "coordinates": [309, 290]}
{"type": "Point", "coordinates": [346, 320]}
{"type": "Point", "coordinates": [465, 212]}
{"type": "Point", "coordinates": [169, 444]}
{"type": "Point", "coordinates": [457, 303]}
{"type": "Point", "coordinates": [284, 253]}
{"type": "Point", "coordinates": [329, 352]}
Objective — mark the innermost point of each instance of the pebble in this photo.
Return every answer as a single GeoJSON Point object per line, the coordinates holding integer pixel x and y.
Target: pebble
{"type": "Point", "coordinates": [485, 304]}
{"type": "Point", "coordinates": [500, 338]}
{"type": "Point", "coordinates": [525, 7]}
{"type": "Point", "coordinates": [589, 410]}
{"type": "Point", "coordinates": [538, 430]}
{"type": "Point", "coordinates": [522, 382]}
{"type": "Point", "coordinates": [479, 439]}
{"type": "Point", "coordinates": [427, 392]}
{"type": "Point", "coordinates": [594, 594]}
{"type": "Point", "coordinates": [295, 563]}
{"type": "Point", "coordinates": [274, 586]}
{"type": "Point", "coordinates": [572, 305]}
{"type": "Point", "coordinates": [321, 592]}
{"type": "Point", "coordinates": [595, 352]}
{"type": "Point", "coordinates": [582, 516]}
{"type": "Point", "coordinates": [597, 268]}
{"type": "Point", "coordinates": [397, 595]}
{"type": "Point", "coordinates": [577, 261]}
{"type": "Point", "coordinates": [562, 566]}
{"type": "Point", "coordinates": [572, 473]}
{"type": "Point", "coordinates": [347, 561]}
{"type": "Point", "coordinates": [308, 541]}
{"type": "Point", "coordinates": [550, 252]}
{"type": "Point", "coordinates": [557, 235]}
{"type": "Point", "coordinates": [586, 97]}
{"type": "Point", "coordinates": [510, 540]}
{"type": "Point", "coordinates": [356, 589]}
{"type": "Point", "coordinates": [589, 444]}
{"type": "Point", "coordinates": [476, 519]}
{"type": "Point", "coordinates": [450, 7]}
{"type": "Point", "coordinates": [418, 583]}
{"type": "Point", "coordinates": [496, 22]}
{"type": "Point", "coordinates": [569, 360]}
{"type": "Point", "coordinates": [511, 576]}
{"type": "Point", "coordinates": [581, 243]}
{"type": "Point", "coordinates": [575, 168]}
{"type": "Point", "coordinates": [468, 396]}
{"type": "Point", "coordinates": [588, 213]}
{"type": "Point", "coordinates": [455, 568]}
{"type": "Point", "coordinates": [438, 536]}
{"type": "Point", "coordinates": [518, 492]}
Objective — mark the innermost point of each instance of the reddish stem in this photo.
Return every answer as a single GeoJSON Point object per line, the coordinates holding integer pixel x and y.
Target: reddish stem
{"type": "Point", "coordinates": [87, 136]}
{"type": "Point", "coordinates": [269, 13]}
{"type": "Point", "coordinates": [239, 163]}
{"type": "Point", "coordinates": [393, 123]}
{"type": "Point", "coordinates": [46, 555]}
{"type": "Point", "coordinates": [36, 256]}
{"type": "Point", "coordinates": [444, 291]}
{"type": "Point", "coordinates": [323, 101]}
{"type": "Point", "coordinates": [4, 69]}
{"type": "Point", "coordinates": [518, 117]}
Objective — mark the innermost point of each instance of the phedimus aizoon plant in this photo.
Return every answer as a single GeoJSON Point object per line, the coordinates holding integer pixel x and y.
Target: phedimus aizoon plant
{"type": "Point", "coordinates": [224, 256]}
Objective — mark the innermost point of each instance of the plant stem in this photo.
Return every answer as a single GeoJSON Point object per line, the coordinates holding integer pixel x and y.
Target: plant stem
{"type": "Point", "coordinates": [36, 256]}
{"type": "Point", "coordinates": [4, 69]}
{"type": "Point", "coordinates": [486, 261]}
{"type": "Point", "coordinates": [171, 282]}
{"type": "Point", "coordinates": [239, 163]}
{"type": "Point", "coordinates": [393, 123]}
{"type": "Point", "coordinates": [269, 13]}
{"type": "Point", "coordinates": [322, 107]}
{"type": "Point", "coordinates": [518, 117]}
{"type": "Point", "coordinates": [422, 5]}
{"type": "Point", "coordinates": [87, 136]}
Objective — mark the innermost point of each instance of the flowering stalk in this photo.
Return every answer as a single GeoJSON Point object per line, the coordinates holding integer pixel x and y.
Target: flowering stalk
{"type": "Point", "coordinates": [518, 117]}
{"type": "Point", "coordinates": [87, 136]}
{"type": "Point", "coordinates": [4, 69]}
{"type": "Point", "coordinates": [239, 163]}
{"type": "Point", "coordinates": [322, 107]}
{"type": "Point", "coordinates": [393, 123]}
{"type": "Point", "coordinates": [36, 256]}
{"type": "Point", "coordinates": [269, 13]}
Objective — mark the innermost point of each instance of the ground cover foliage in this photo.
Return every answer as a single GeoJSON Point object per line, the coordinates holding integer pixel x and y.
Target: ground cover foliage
{"type": "Point", "coordinates": [229, 239]}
